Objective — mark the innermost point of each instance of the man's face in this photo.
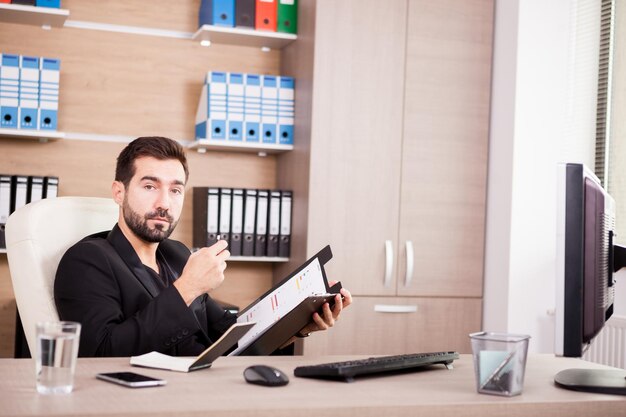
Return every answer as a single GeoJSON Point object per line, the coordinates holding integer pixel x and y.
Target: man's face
{"type": "Point", "coordinates": [153, 201]}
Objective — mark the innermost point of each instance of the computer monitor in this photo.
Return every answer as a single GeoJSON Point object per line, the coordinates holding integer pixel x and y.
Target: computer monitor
{"type": "Point", "coordinates": [587, 258]}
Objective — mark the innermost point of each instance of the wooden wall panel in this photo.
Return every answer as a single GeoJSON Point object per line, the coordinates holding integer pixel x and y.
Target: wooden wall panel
{"type": "Point", "coordinates": [132, 85]}
{"type": "Point", "coordinates": [162, 14]}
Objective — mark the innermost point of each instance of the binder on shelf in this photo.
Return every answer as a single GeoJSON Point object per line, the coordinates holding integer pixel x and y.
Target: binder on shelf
{"type": "Point", "coordinates": [212, 108]}
{"type": "Point", "coordinates": [200, 222]}
{"type": "Point", "coordinates": [9, 90]}
{"type": "Point", "coordinates": [235, 106]}
{"type": "Point", "coordinates": [260, 238]}
{"type": "Point", "coordinates": [236, 227]}
{"type": "Point", "coordinates": [252, 108]}
{"type": "Point", "coordinates": [5, 206]}
{"type": "Point", "coordinates": [35, 189]}
{"type": "Point", "coordinates": [212, 217]}
{"type": "Point", "coordinates": [28, 107]}
{"type": "Point", "coordinates": [224, 13]}
{"type": "Point", "coordinates": [19, 191]}
{"type": "Point", "coordinates": [205, 15]}
{"type": "Point", "coordinates": [273, 228]}
{"type": "Point", "coordinates": [50, 187]}
{"type": "Point", "coordinates": [249, 207]}
{"type": "Point", "coordinates": [287, 16]}
{"type": "Point", "coordinates": [49, 93]}
{"type": "Point", "coordinates": [225, 208]}
{"type": "Point", "coordinates": [48, 3]}
{"type": "Point", "coordinates": [269, 108]}
{"type": "Point", "coordinates": [265, 15]}
{"type": "Point", "coordinates": [286, 110]}
{"type": "Point", "coordinates": [284, 239]}
{"type": "Point", "coordinates": [24, 2]}
{"type": "Point", "coordinates": [244, 13]}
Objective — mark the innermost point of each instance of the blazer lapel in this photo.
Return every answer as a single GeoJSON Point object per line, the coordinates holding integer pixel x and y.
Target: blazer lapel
{"type": "Point", "coordinates": [123, 247]}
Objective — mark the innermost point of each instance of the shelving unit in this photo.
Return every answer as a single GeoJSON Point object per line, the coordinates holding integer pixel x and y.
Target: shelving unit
{"type": "Point", "coordinates": [230, 146]}
{"type": "Point", "coordinates": [243, 37]}
{"type": "Point", "coordinates": [31, 15]}
{"type": "Point", "coordinates": [28, 134]}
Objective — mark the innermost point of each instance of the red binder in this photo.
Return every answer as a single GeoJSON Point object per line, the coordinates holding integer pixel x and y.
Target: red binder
{"type": "Point", "coordinates": [266, 15]}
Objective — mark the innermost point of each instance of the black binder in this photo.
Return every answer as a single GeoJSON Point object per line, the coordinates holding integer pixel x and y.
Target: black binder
{"type": "Point", "coordinates": [205, 216]}
{"type": "Point", "coordinates": [5, 206]}
{"type": "Point", "coordinates": [226, 195]}
{"type": "Point", "coordinates": [35, 189]}
{"type": "Point", "coordinates": [244, 13]}
{"type": "Point", "coordinates": [284, 329]}
{"type": "Point", "coordinates": [19, 191]}
{"type": "Point", "coordinates": [273, 228]}
{"type": "Point", "coordinates": [50, 187]}
{"type": "Point", "coordinates": [260, 234]}
{"type": "Point", "coordinates": [236, 225]}
{"type": "Point", "coordinates": [284, 239]}
{"type": "Point", "coordinates": [249, 210]}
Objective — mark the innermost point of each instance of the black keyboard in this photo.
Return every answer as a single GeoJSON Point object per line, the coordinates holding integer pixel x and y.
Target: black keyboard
{"type": "Point", "coordinates": [376, 365]}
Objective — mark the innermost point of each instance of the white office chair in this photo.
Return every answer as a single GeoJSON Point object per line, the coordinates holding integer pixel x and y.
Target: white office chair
{"type": "Point", "coordinates": [37, 236]}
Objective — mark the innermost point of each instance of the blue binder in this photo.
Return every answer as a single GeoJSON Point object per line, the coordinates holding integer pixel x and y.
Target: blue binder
{"type": "Point", "coordinates": [224, 13]}
{"type": "Point", "coordinates": [29, 93]}
{"type": "Point", "coordinates": [286, 110]}
{"type": "Point", "coordinates": [269, 108]}
{"type": "Point", "coordinates": [49, 93]}
{"type": "Point", "coordinates": [9, 91]}
{"type": "Point", "coordinates": [205, 16]}
{"type": "Point", "coordinates": [217, 105]}
{"type": "Point", "coordinates": [252, 108]}
{"type": "Point", "coordinates": [235, 100]}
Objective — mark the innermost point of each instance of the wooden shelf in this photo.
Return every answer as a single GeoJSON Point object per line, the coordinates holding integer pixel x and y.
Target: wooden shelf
{"type": "Point", "coordinates": [232, 146]}
{"type": "Point", "coordinates": [257, 259]}
{"type": "Point", "coordinates": [32, 134]}
{"type": "Point", "coordinates": [243, 37]}
{"type": "Point", "coordinates": [31, 15]}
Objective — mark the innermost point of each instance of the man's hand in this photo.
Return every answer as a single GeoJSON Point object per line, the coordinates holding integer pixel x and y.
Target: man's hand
{"type": "Point", "coordinates": [327, 319]}
{"type": "Point", "coordinates": [204, 271]}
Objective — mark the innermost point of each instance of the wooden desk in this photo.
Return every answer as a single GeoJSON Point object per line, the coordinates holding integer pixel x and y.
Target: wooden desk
{"type": "Point", "coordinates": [222, 391]}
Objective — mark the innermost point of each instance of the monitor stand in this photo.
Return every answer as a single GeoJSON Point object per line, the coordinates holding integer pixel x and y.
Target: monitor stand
{"type": "Point", "coordinates": [604, 381]}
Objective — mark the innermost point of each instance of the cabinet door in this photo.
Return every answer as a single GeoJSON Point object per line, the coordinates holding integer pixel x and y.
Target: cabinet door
{"type": "Point", "coordinates": [446, 130]}
{"type": "Point", "coordinates": [358, 89]}
{"type": "Point", "coordinates": [370, 326]}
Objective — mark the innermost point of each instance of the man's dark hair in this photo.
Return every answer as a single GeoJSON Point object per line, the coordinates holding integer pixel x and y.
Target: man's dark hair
{"type": "Point", "coordinates": [154, 146]}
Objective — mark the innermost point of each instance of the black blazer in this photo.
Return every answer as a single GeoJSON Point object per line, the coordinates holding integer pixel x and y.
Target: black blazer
{"type": "Point", "coordinates": [101, 283]}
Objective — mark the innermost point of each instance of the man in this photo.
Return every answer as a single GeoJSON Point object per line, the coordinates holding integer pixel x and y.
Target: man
{"type": "Point", "coordinates": [133, 289]}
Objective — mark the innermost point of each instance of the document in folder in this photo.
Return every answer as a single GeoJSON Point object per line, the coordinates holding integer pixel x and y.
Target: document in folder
{"type": "Point", "coordinates": [286, 308]}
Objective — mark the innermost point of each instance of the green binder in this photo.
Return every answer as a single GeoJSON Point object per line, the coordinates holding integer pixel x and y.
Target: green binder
{"type": "Point", "coordinates": [287, 14]}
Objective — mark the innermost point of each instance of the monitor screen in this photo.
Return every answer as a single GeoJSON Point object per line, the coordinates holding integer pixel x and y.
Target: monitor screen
{"type": "Point", "coordinates": [585, 287]}
{"type": "Point", "coordinates": [586, 260]}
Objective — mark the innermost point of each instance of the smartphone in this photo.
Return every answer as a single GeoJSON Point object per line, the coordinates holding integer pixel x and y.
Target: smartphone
{"type": "Point", "coordinates": [131, 379]}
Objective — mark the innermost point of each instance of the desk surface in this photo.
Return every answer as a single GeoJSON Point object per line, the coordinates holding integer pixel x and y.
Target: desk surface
{"type": "Point", "coordinates": [222, 391]}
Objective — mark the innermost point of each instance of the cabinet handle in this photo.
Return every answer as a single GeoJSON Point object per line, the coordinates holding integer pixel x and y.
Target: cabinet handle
{"type": "Point", "coordinates": [409, 263]}
{"type": "Point", "coordinates": [392, 308]}
{"type": "Point", "coordinates": [388, 262]}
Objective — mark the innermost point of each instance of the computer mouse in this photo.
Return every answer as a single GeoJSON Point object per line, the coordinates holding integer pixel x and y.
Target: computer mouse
{"type": "Point", "coordinates": [265, 375]}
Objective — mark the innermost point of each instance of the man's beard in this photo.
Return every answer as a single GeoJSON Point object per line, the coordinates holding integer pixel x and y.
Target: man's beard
{"type": "Point", "coordinates": [139, 225]}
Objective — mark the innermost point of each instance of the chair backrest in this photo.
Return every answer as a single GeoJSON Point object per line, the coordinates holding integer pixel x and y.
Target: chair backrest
{"type": "Point", "coordinates": [37, 236]}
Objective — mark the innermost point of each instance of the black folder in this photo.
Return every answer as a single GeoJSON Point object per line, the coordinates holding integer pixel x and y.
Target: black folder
{"type": "Point", "coordinates": [5, 205]}
{"type": "Point", "coordinates": [273, 227]}
{"type": "Point", "coordinates": [249, 210]}
{"type": "Point", "coordinates": [236, 223]}
{"type": "Point", "coordinates": [284, 238]}
{"type": "Point", "coordinates": [50, 187]}
{"type": "Point", "coordinates": [244, 13]}
{"type": "Point", "coordinates": [291, 323]}
{"type": "Point", "coordinates": [260, 234]}
{"type": "Point", "coordinates": [226, 197]}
